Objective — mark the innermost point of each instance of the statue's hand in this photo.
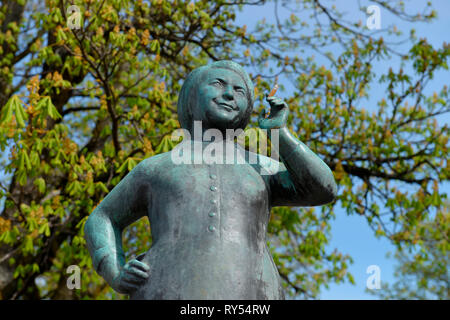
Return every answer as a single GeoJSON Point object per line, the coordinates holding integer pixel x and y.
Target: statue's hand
{"type": "Point", "coordinates": [279, 111]}
{"type": "Point", "coordinates": [133, 273]}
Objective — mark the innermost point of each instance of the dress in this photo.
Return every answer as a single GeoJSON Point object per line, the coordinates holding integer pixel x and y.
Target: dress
{"type": "Point", "coordinates": [208, 223]}
{"type": "Point", "coordinates": [209, 233]}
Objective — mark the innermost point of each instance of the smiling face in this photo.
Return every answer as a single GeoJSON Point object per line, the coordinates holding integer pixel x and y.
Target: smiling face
{"type": "Point", "coordinates": [222, 99]}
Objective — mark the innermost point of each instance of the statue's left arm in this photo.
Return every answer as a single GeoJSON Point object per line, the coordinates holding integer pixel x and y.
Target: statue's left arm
{"type": "Point", "coordinates": [303, 179]}
{"type": "Point", "coordinates": [126, 203]}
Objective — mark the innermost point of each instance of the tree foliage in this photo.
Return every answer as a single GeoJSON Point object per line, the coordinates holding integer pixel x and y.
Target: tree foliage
{"type": "Point", "coordinates": [81, 107]}
{"type": "Point", "coordinates": [422, 269]}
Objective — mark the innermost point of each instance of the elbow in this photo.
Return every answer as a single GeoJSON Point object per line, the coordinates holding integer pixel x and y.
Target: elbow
{"type": "Point", "coordinates": [325, 187]}
{"type": "Point", "coordinates": [319, 195]}
{"type": "Point", "coordinates": [329, 188]}
{"type": "Point", "coordinates": [94, 221]}
{"type": "Point", "coordinates": [327, 192]}
{"type": "Point", "coordinates": [88, 228]}
{"type": "Point", "coordinates": [100, 224]}
{"type": "Point", "coordinates": [330, 192]}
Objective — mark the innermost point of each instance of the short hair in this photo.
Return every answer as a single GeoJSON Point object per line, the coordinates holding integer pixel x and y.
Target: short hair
{"type": "Point", "coordinates": [188, 97]}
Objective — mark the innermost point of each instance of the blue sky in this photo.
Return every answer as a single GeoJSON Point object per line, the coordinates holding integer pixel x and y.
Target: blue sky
{"type": "Point", "coordinates": [351, 234]}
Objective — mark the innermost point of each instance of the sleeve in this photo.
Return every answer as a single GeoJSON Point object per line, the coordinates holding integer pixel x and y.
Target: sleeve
{"type": "Point", "coordinates": [301, 179]}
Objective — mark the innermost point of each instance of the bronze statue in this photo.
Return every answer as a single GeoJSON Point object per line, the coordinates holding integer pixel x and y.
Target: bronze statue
{"type": "Point", "coordinates": [209, 219]}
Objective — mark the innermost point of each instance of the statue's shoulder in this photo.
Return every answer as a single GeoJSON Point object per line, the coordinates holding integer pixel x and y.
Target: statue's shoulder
{"type": "Point", "coordinates": [154, 163]}
{"type": "Point", "coordinates": [263, 164]}
{"type": "Point", "coordinates": [261, 159]}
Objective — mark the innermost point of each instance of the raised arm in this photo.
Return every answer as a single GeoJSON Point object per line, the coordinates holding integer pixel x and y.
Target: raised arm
{"type": "Point", "coordinates": [303, 179]}
{"type": "Point", "coordinates": [126, 203]}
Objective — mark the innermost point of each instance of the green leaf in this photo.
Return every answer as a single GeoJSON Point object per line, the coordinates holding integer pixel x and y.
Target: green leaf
{"type": "Point", "coordinates": [40, 184]}
{"type": "Point", "coordinates": [14, 105]}
{"type": "Point", "coordinates": [165, 146]}
{"type": "Point", "coordinates": [102, 187]}
{"type": "Point", "coordinates": [22, 177]}
{"type": "Point", "coordinates": [28, 244]}
{"type": "Point", "coordinates": [123, 166]}
{"type": "Point", "coordinates": [35, 268]}
{"type": "Point", "coordinates": [45, 229]}
{"type": "Point", "coordinates": [130, 163]}
{"type": "Point", "coordinates": [47, 108]}
{"type": "Point", "coordinates": [7, 111]}
{"type": "Point", "coordinates": [24, 160]}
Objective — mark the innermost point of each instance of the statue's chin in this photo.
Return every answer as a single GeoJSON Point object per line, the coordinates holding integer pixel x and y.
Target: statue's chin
{"type": "Point", "coordinates": [222, 121]}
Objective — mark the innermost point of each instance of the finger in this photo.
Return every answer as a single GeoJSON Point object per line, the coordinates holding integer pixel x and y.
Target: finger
{"type": "Point", "coordinates": [138, 273]}
{"type": "Point", "coordinates": [128, 286]}
{"type": "Point", "coordinates": [274, 99]}
{"type": "Point", "coordinates": [140, 265]}
{"type": "Point", "coordinates": [131, 283]}
{"type": "Point", "coordinates": [277, 101]}
{"type": "Point", "coordinates": [132, 278]}
{"type": "Point", "coordinates": [128, 283]}
{"type": "Point", "coordinates": [278, 107]}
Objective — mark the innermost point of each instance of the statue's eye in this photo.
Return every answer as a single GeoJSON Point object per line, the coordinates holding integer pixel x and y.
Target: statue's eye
{"type": "Point", "coordinates": [240, 91]}
{"type": "Point", "coordinates": [216, 83]}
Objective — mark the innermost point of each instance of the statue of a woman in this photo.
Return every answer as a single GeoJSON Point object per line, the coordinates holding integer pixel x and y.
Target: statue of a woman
{"type": "Point", "coordinates": [208, 220]}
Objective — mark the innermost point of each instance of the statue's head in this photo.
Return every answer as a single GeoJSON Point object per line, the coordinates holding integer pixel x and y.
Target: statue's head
{"type": "Point", "coordinates": [220, 95]}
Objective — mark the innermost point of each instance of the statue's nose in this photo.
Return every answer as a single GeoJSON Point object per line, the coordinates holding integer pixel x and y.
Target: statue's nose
{"type": "Point", "coordinates": [228, 93]}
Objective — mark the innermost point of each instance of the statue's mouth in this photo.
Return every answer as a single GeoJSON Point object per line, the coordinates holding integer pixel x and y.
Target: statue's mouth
{"type": "Point", "coordinates": [227, 106]}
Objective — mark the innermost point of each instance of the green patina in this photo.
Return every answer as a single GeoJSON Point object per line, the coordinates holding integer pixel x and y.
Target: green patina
{"type": "Point", "coordinates": [208, 220]}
